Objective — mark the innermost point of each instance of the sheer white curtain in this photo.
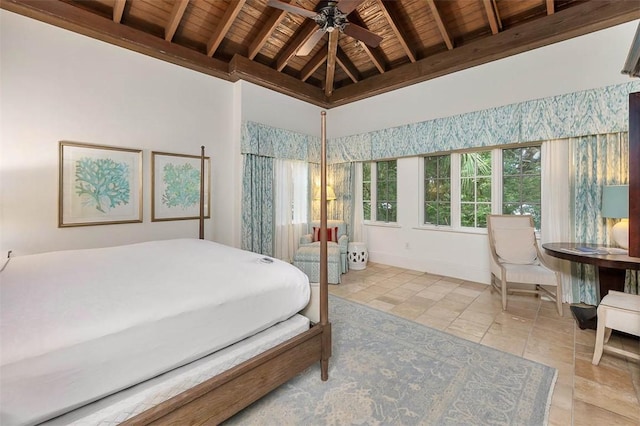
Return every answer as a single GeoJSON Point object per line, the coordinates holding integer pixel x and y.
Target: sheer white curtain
{"type": "Point", "coordinates": [291, 195]}
{"type": "Point", "coordinates": [358, 232]}
{"type": "Point", "coordinates": [556, 206]}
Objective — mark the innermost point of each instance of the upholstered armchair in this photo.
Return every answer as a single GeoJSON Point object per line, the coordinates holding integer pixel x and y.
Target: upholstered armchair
{"type": "Point", "coordinates": [307, 257]}
{"type": "Point", "coordinates": [517, 265]}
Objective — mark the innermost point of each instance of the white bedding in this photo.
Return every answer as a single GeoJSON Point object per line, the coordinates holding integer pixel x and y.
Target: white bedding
{"type": "Point", "coordinates": [78, 325]}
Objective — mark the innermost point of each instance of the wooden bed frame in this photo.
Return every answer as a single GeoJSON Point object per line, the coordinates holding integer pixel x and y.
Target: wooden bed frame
{"type": "Point", "coordinates": [222, 396]}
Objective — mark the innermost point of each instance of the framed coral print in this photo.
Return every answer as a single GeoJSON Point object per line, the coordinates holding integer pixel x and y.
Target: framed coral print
{"type": "Point", "coordinates": [99, 185]}
{"type": "Point", "coordinates": [175, 186]}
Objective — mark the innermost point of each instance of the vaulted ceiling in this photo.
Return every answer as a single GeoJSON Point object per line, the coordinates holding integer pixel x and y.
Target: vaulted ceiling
{"type": "Point", "coordinates": [255, 41]}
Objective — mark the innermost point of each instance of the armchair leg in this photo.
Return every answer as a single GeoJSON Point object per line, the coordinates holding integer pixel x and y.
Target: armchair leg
{"type": "Point", "coordinates": [504, 293]}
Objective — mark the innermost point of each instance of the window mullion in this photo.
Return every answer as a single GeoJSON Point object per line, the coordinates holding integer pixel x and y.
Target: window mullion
{"type": "Point", "coordinates": [496, 181]}
{"type": "Point", "coordinates": [455, 190]}
{"type": "Point", "coordinates": [374, 191]}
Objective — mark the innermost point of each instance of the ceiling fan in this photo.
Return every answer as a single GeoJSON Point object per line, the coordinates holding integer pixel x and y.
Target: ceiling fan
{"type": "Point", "coordinates": [330, 16]}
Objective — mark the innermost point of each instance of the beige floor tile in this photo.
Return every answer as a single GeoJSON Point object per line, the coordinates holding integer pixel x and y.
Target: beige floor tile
{"type": "Point", "coordinates": [425, 279]}
{"type": "Point", "coordinates": [555, 325]}
{"type": "Point", "coordinates": [452, 305]}
{"type": "Point", "coordinates": [512, 345]}
{"type": "Point", "coordinates": [606, 376]}
{"type": "Point", "coordinates": [459, 298]}
{"type": "Point", "coordinates": [585, 414]}
{"type": "Point", "coordinates": [428, 294]}
{"type": "Point", "coordinates": [478, 317]}
{"type": "Point", "coordinates": [380, 305]}
{"type": "Point", "coordinates": [362, 296]}
{"type": "Point", "coordinates": [549, 351]}
{"type": "Point", "coordinates": [462, 334]}
{"type": "Point", "coordinates": [559, 416]}
{"type": "Point", "coordinates": [550, 337]}
{"type": "Point", "coordinates": [412, 285]}
{"type": "Point", "coordinates": [433, 322]}
{"type": "Point", "coordinates": [407, 310]}
{"type": "Point", "coordinates": [562, 396]}
{"type": "Point", "coordinates": [466, 292]}
{"type": "Point", "coordinates": [468, 327]}
{"type": "Point", "coordinates": [609, 398]}
{"type": "Point", "coordinates": [401, 293]}
{"type": "Point", "coordinates": [437, 311]}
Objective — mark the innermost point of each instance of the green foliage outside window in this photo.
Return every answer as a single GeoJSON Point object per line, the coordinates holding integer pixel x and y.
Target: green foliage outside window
{"type": "Point", "coordinates": [366, 190]}
{"type": "Point", "coordinates": [102, 183]}
{"type": "Point", "coordinates": [437, 190]}
{"type": "Point", "coordinates": [521, 182]}
{"type": "Point", "coordinates": [387, 191]}
{"type": "Point", "coordinates": [475, 188]}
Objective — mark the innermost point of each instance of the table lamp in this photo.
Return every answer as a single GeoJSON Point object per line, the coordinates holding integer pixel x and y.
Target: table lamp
{"type": "Point", "coordinates": [331, 194]}
{"type": "Point", "coordinates": [615, 205]}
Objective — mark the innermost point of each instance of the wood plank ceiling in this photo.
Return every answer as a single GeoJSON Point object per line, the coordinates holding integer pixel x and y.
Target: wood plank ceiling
{"type": "Point", "coordinates": [250, 40]}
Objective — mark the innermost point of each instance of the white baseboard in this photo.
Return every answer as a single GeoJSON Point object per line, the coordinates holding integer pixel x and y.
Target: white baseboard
{"type": "Point", "coordinates": [449, 269]}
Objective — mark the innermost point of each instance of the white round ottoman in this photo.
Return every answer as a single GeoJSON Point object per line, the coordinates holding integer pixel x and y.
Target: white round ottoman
{"type": "Point", "coordinates": [357, 255]}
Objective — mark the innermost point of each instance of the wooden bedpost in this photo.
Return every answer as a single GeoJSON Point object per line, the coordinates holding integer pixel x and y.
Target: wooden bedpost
{"type": "Point", "coordinates": [324, 287]}
{"type": "Point", "coordinates": [201, 218]}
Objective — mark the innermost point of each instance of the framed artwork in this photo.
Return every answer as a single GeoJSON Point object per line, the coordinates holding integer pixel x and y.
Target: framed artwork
{"type": "Point", "coordinates": [175, 186]}
{"type": "Point", "coordinates": [99, 185]}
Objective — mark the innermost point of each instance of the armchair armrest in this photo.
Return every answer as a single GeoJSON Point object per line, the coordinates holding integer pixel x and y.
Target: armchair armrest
{"type": "Point", "coordinates": [343, 242]}
{"type": "Point", "coordinates": [306, 239]}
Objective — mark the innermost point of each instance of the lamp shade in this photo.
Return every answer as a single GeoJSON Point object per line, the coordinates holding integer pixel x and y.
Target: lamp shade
{"type": "Point", "coordinates": [615, 201]}
{"type": "Point", "coordinates": [331, 194]}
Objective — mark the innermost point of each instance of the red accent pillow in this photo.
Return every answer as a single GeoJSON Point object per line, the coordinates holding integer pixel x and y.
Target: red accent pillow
{"type": "Point", "coordinates": [332, 234]}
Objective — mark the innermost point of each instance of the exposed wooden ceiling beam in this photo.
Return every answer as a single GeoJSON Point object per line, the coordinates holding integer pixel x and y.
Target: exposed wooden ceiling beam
{"type": "Point", "coordinates": [174, 20]}
{"type": "Point", "coordinates": [441, 27]}
{"type": "Point", "coordinates": [550, 7]}
{"type": "Point", "coordinates": [372, 52]}
{"type": "Point", "coordinates": [275, 18]}
{"type": "Point", "coordinates": [396, 30]}
{"type": "Point", "coordinates": [118, 10]}
{"type": "Point", "coordinates": [578, 20]}
{"type": "Point", "coordinates": [306, 30]}
{"type": "Point", "coordinates": [311, 66]}
{"type": "Point", "coordinates": [345, 63]}
{"type": "Point", "coordinates": [262, 75]}
{"type": "Point", "coordinates": [229, 16]}
{"type": "Point", "coordinates": [331, 62]}
{"type": "Point", "coordinates": [492, 16]}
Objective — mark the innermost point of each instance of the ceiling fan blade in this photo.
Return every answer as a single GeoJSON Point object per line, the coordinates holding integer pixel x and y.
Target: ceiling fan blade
{"type": "Point", "coordinates": [308, 46]}
{"type": "Point", "coordinates": [362, 34]}
{"type": "Point", "coordinates": [291, 8]}
{"type": "Point", "coordinates": [348, 6]}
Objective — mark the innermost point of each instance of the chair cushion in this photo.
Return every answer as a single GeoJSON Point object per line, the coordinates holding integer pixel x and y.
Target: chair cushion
{"type": "Point", "coordinates": [515, 245]}
{"type": "Point", "coordinates": [530, 274]}
{"type": "Point", "coordinates": [332, 234]}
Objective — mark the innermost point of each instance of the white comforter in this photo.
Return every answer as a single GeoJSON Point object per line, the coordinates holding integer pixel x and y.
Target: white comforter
{"type": "Point", "coordinates": [78, 325]}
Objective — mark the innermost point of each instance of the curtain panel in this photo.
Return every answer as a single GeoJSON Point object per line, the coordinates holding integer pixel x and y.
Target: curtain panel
{"type": "Point", "coordinates": [597, 160]}
{"type": "Point", "coordinates": [257, 204]}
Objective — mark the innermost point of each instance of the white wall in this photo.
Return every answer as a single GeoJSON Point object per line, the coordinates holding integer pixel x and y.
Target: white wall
{"type": "Point", "coordinates": [587, 62]}
{"type": "Point", "coordinates": [57, 85]}
{"type": "Point", "coordinates": [277, 110]}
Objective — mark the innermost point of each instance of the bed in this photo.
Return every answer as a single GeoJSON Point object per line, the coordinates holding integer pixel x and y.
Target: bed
{"type": "Point", "coordinates": [181, 331]}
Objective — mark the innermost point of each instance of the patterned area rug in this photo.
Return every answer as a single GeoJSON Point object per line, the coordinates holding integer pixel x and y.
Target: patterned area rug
{"type": "Point", "coordinates": [386, 370]}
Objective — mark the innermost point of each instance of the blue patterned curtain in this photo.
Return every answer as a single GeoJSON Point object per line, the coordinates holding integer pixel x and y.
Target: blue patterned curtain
{"type": "Point", "coordinates": [257, 204]}
{"type": "Point", "coordinates": [598, 160]}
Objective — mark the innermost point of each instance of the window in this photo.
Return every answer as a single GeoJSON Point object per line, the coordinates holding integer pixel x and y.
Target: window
{"type": "Point", "coordinates": [475, 188]}
{"type": "Point", "coordinates": [461, 189]}
{"type": "Point", "coordinates": [379, 189]}
{"type": "Point", "coordinates": [521, 182]}
{"type": "Point", "coordinates": [437, 190]}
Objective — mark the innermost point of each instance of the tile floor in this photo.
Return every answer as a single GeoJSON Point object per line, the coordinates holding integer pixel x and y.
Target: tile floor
{"type": "Point", "coordinates": [584, 394]}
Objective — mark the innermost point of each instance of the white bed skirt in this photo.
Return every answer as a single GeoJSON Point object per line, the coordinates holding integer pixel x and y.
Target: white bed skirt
{"type": "Point", "coordinates": [130, 402]}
